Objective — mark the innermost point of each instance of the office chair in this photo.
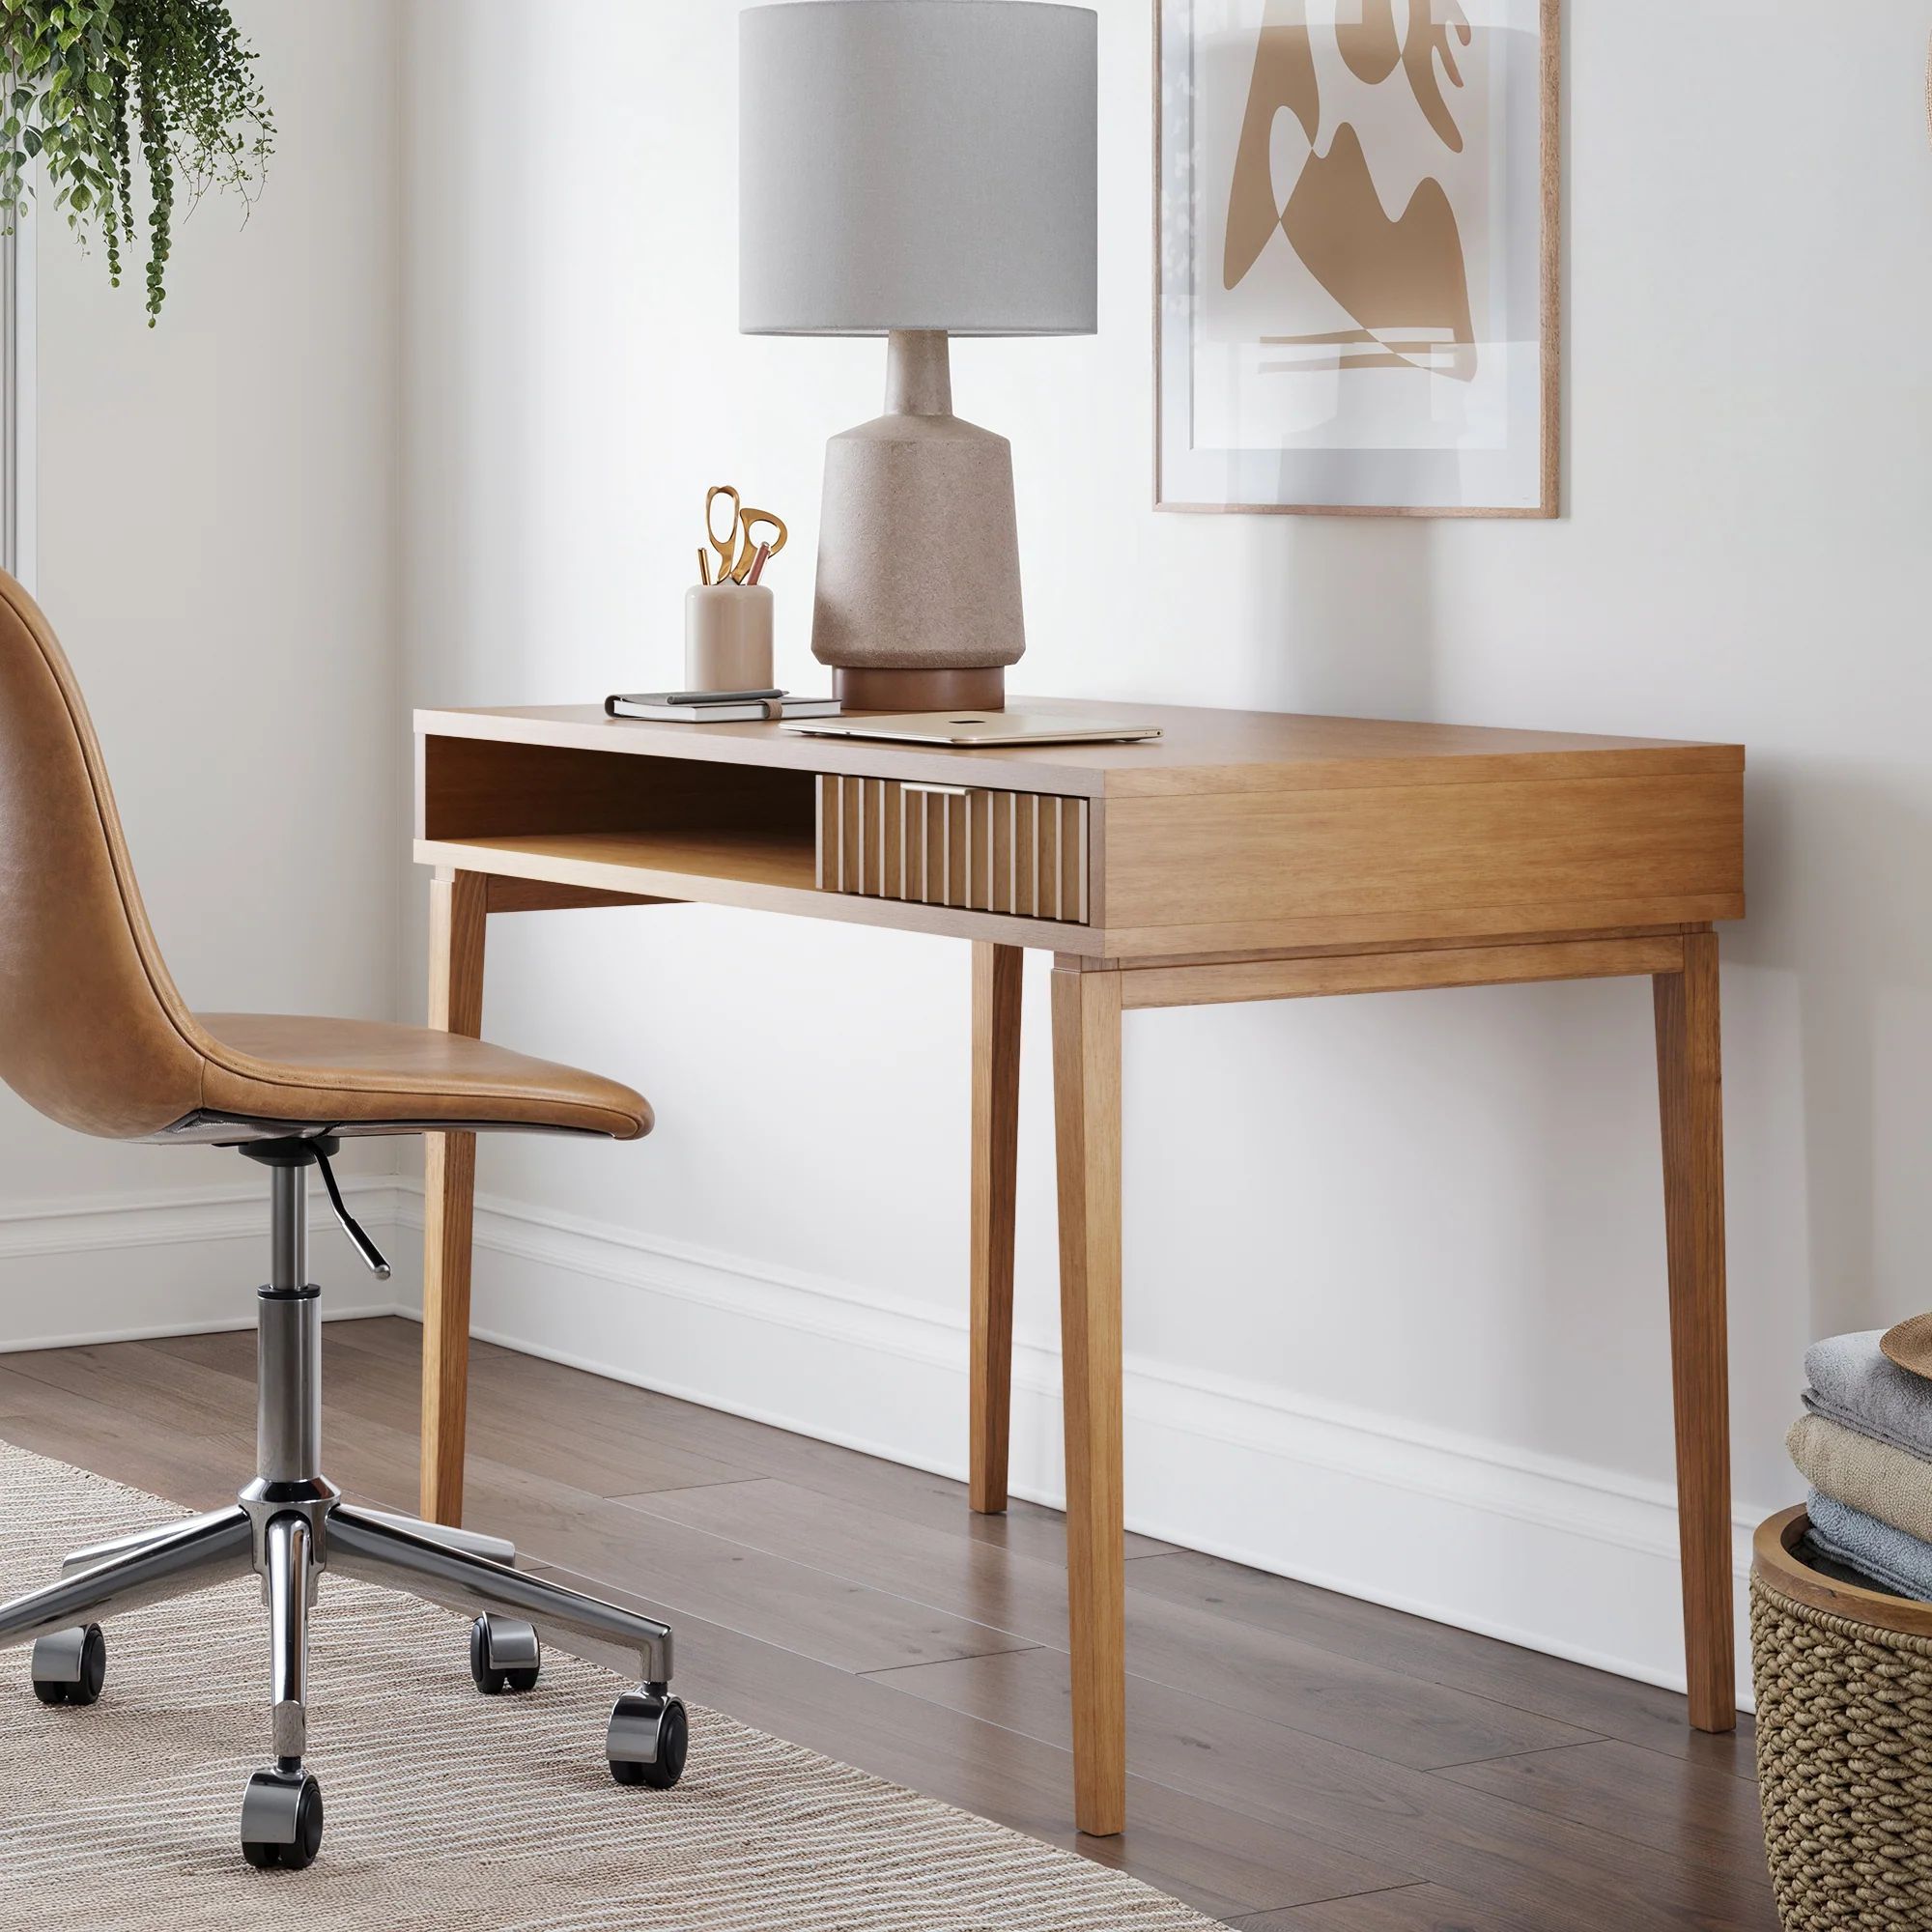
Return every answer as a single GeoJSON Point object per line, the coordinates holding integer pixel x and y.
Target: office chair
{"type": "Point", "coordinates": [93, 1034]}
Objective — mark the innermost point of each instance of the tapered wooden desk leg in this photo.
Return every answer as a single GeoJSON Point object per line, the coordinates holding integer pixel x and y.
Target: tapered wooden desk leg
{"type": "Point", "coordinates": [1691, 1090]}
{"type": "Point", "coordinates": [1087, 1112]}
{"type": "Point", "coordinates": [996, 1125]}
{"type": "Point", "coordinates": [457, 917]}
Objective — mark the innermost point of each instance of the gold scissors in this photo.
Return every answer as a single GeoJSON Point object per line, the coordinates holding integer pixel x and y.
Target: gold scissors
{"type": "Point", "coordinates": [737, 549]}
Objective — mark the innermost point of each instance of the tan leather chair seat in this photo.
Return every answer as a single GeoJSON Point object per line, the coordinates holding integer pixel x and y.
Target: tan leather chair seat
{"type": "Point", "coordinates": [93, 1031]}
{"type": "Point", "coordinates": [283, 1066]}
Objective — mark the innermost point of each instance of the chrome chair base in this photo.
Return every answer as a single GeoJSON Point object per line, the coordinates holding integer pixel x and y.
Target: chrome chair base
{"type": "Point", "coordinates": [288, 1526]}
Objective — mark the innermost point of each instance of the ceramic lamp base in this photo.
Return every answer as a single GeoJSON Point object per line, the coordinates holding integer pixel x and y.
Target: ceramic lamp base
{"type": "Point", "coordinates": [861, 689]}
{"type": "Point", "coordinates": [919, 566]}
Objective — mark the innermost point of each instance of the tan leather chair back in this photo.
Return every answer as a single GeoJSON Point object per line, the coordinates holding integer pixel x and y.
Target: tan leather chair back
{"type": "Point", "coordinates": [92, 1030]}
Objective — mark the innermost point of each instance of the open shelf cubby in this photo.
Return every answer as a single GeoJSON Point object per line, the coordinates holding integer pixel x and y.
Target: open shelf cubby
{"type": "Point", "coordinates": [685, 817]}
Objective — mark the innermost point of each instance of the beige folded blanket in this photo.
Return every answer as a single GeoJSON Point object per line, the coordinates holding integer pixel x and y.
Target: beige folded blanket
{"type": "Point", "coordinates": [1864, 1474]}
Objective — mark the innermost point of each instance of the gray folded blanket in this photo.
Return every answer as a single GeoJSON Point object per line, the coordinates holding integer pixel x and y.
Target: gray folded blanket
{"type": "Point", "coordinates": [1852, 1382]}
{"type": "Point", "coordinates": [1887, 1555]}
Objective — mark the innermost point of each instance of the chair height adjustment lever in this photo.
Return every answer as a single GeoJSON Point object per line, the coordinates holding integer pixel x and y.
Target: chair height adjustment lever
{"type": "Point", "coordinates": [358, 1238]}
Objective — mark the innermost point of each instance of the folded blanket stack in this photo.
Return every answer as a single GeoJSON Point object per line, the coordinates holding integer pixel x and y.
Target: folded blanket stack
{"type": "Point", "coordinates": [1864, 1444]}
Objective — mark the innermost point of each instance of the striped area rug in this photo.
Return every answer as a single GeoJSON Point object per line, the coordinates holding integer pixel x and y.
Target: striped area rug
{"type": "Point", "coordinates": [447, 1810]}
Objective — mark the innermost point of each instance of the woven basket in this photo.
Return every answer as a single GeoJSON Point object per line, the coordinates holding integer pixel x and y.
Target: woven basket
{"type": "Point", "coordinates": [1844, 1742]}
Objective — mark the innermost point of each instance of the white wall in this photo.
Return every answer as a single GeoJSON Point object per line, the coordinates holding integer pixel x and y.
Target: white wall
{"type": "Point", "coordinates": [1394, 1267]}
{"type": "Point", "coordinates": [218, 550]}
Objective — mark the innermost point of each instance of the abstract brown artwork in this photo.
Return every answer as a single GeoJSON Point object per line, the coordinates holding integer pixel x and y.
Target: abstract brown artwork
{"type": "Point", "coordinates": [1398, 278]}
{"type": "Point", "coordinates": [1357, 305]}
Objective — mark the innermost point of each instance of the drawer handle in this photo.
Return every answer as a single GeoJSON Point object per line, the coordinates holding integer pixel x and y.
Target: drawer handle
{"type": "Point", "coordinates": [936, 790]}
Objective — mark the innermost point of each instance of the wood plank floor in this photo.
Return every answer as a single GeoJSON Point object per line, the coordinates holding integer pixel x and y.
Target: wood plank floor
{"type": "Point", "coordinates": [1299, 1762]}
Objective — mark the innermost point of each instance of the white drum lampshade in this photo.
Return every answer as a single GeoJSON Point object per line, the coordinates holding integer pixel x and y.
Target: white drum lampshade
{"type": "Point", "coordinates": [917, 169]}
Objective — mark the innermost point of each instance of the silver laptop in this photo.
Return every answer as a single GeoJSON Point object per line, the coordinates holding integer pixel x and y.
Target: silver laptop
{"type": "Point", "coordinates": [974, 727]}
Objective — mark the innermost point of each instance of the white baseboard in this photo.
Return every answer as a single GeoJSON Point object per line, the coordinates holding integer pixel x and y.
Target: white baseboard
{"type": "Point", "coordinates": [125, 1268]}
{"type": "Point", "coordinates": [1578, 1561]}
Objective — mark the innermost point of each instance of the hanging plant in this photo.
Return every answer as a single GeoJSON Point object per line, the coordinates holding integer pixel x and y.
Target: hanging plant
{"type": "Point", "coordinates": [86, 78]}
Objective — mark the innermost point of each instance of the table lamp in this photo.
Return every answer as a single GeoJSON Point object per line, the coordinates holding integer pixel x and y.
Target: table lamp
{"type": "Point", "coordinates": [917, 169]}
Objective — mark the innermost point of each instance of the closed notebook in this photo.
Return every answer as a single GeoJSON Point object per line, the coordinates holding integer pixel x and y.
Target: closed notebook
{"type": "Point", "coordinates": [742, 711]}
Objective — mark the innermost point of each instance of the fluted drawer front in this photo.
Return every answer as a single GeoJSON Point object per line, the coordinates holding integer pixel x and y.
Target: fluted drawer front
{"type": "Point", "coordinates": [1017, 852]}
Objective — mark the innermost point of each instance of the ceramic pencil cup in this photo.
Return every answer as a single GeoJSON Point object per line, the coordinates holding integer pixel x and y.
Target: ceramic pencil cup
{"type": "Point", "coordinates": [727, 637]}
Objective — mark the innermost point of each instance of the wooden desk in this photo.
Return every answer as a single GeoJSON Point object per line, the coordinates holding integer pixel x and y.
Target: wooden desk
{"type": "Point", "coordinates": [1244, 856]}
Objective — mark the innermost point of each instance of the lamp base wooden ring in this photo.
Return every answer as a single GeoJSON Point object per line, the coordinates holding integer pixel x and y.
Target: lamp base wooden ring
{"type": "Point", "coordinates": [864, 688]}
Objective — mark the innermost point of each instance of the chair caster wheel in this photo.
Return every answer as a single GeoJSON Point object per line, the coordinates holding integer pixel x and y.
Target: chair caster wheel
{"type": "Point", "coordinates": [504, 1655]}
{"type": "Point", "coordinates": [71, 1666]}
{"type": "Point", "coordinates": [281, 1820]}
{"type": "Point", "coordinates": [648, 1738]}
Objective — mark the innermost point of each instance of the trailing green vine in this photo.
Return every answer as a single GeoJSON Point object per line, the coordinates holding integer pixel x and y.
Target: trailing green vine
{"type": "Point", "coordinates": [86, 78]}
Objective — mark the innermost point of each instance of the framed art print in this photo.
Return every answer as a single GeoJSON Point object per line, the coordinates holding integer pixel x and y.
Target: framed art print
{"type": "Point", "coordinates": [1355, 303]}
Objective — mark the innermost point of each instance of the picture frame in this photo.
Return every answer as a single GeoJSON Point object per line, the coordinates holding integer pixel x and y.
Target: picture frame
{"type": "Point", "coordinates": [1314, 355]}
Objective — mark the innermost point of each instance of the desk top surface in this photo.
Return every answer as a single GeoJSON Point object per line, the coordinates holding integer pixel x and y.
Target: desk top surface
{"type": "Point", "coordinates": [1199, 749]}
